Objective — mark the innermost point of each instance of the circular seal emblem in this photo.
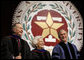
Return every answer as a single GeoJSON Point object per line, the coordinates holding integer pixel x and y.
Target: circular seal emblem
{"type": "Point", "coordinates": [46, 18]}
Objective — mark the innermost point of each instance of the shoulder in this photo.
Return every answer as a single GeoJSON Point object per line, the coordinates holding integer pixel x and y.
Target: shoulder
{"type": "Point", "coordinates": [74, 46]}
{"type": "Point", "coordinates": [6, 38]}
{"type": "Point", "coordinates": [57, 46]}
{"type": "Point", "coordinates": [47, 52]}
{"type": "Point", "coordinates": [35, 51]}
{"type": "Point", "coordinates": [39, 51]}
{"type": "Point", "coordinates": [23, 40]}
{"type": "Point", "coordinates": [6, 41]}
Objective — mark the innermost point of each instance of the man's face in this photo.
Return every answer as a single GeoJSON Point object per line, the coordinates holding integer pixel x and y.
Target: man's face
{"type": "Point", "coordinates": [63, 35]}
{"type": "Point", "coordinates": [18, 30]}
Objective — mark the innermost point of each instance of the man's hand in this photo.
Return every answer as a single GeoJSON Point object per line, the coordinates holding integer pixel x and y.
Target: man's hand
{"type": "Point", "coordinates": [18, 57]}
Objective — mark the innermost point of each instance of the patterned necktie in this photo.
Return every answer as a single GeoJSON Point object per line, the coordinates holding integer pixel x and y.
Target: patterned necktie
{"type": "Point", "coordinates": [19, 44]}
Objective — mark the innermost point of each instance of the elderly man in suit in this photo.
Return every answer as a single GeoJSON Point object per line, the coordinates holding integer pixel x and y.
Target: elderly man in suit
{"type": "Point", "coordinates": [13, 47]}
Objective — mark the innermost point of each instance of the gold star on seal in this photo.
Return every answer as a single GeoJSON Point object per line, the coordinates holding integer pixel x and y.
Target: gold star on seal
{"type": "Point", "coordinates": [49, 27]}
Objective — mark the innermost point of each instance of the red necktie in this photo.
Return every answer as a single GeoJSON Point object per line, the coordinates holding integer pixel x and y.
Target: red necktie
{"type": "Point", "coordinates": [18, 43]}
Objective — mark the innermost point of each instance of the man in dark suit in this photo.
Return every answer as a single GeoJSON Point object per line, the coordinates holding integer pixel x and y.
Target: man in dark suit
{"type": "Point", "coordinates": [13, 47]}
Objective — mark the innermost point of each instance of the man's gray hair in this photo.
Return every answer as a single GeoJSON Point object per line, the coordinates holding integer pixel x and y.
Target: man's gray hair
{"type": "Point", "coordinates": [15, 24]}
{"type": "Point", "coordinates": [60, 32]}
{"type": "Point", "coordinates": [35, 41]}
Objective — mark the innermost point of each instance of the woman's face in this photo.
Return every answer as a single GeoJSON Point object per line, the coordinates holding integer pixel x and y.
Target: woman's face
{"type": "Point", "coordinates": [40, 43]}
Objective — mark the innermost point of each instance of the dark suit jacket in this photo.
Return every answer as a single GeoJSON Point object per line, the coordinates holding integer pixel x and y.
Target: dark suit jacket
{"type": "Point", "coordinates": [9, 48]}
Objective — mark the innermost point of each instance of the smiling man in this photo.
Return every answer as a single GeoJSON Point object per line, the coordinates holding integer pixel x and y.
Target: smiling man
{"type": "Point", "coordinates": [64, 50]}
{"type": "Point", "coordinates": [13, 47]}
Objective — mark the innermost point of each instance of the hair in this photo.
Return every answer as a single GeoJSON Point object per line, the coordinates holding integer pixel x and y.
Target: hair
{"type": "Point", "coordinates": [14, 25]}
{"type": "Point", "coordinates": [35, 41]}
{"type": "Point", "coordinates": [60, 32]}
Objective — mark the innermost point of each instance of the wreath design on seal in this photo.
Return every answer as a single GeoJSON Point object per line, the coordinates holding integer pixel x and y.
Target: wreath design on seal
{"type": "Point", "coordinates": [26, 9]}
{"type": "Point", "coordinates": [27, 19]}
{"type": "Point", "coordinates": [55, 6]}
{"type": "Point", "coordinates": [68, 17]}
